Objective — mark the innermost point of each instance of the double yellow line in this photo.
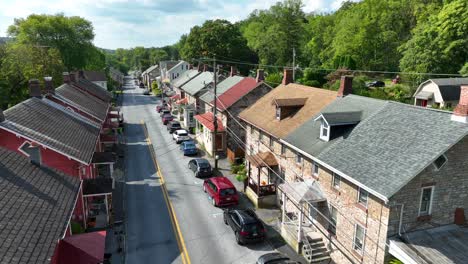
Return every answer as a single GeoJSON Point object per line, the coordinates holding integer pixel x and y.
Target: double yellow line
{"type": "Point", "coordinates": [170, 208]}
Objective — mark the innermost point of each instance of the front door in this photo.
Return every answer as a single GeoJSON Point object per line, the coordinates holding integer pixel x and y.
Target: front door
{"type": "Point", "coordinates": [423, 103]}
{"type": "Point", "coordinates": [219, 141]}
{"type": "Point", "coordinates": [313, 212]}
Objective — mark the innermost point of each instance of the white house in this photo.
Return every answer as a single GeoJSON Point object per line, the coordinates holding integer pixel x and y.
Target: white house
{"type": "Point", "coordinates": [175, 71]}
{"type": "Point", "coordinates": [444, 92]}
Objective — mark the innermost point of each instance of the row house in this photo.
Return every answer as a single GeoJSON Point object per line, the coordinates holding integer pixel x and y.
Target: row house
{"type": "Point", "coordinates": [116, 76]}
{"type": "Point", "coordinates": [171, 70]}
{"type": "Point", "coordinates": [367, 179]}
{"type": "Point", "coordinates": [234, 94]}
{"type": "Point", "coordinates": [150, 75]}
{"type": "Point", "coordinates": [37, 207]}
{"type": "Point", "coordinates": [97, 77]}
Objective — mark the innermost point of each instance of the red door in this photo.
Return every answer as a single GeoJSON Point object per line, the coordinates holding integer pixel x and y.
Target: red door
{"type": "Point", "coordinates": [423, 103]}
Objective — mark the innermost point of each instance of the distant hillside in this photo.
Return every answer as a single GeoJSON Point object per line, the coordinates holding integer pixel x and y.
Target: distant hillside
{"type": "Point", "coordinates": [4, 40]}
{"type": "Point", "coordinates": [107, 50]}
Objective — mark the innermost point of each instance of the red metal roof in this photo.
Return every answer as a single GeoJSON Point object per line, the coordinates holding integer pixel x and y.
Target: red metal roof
{"type": "Point", "coordinates": [206, 120]}
{"type": "Point", "coordinates": [87, 248]}
{"type": "Point", "coordinates": [235, 93]}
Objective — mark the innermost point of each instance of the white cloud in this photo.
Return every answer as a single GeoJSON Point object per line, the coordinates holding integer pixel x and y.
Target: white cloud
{"type": "Point", "coordinates": [127, 23]}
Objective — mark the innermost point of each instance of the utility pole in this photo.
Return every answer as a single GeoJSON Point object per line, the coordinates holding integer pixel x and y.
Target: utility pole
{"type": "Point", "coordinates": [294, 64]}
{"type": "Point", "coordinates": [215, 119]}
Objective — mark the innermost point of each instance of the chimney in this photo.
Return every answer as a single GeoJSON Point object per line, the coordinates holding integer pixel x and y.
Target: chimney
{"type": "Point", "coordinates": [81, 74]}
{"type": "Point", "coordinates": [460, 113]}
{"type": "Point", "coordinates": [49, 87]}
{"type": "Point", "coordinates": [205, 67]}
{"type": "Point", "coordinates": [66, 77]}
{"type": "Point", "coordinates": [2, 116]}
{"type": "Point", "coordinates": [346, 86]}
{"type": "Point", "coordinates": [34, 154]}
{"type": "Point", "coordinates": [72, 77]}
{"type": "Point", "coordinates": [260, 75]}
{"type": "Point", "coordinates": [34, 88]}
{"type": "Point", "coordinates": [233, 71]}
{"type": "Point", "coordinates": [287, 77]}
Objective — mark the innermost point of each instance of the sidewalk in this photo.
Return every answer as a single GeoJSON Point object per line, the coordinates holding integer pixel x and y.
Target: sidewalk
{"type": "Point", "coordinates": [271, 217]}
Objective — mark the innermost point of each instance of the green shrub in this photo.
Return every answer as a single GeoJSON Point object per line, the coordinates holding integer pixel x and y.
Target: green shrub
{"type": "Point", "coordinates": [76, 228]}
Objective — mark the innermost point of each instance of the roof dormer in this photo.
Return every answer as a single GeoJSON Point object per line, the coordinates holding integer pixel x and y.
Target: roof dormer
{"type": "Point", "coordinates": [288, 106]}
{"type": "Point", "coordinates": [334, 124]}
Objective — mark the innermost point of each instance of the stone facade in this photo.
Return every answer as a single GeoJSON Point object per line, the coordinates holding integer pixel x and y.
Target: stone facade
{"type": "Point", "coordinates": [449, 185]}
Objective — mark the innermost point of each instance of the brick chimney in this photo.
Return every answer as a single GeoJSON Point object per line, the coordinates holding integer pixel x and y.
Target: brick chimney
{"type": "Point", "coordinates": [287, 77]}
{"type": "Point", "coordinates": [346, 86]}
{"type": "Point", "coordinates": [260, 75]}
{"type": "Point", "coordinates": [233, 71]}
{"type": "Point", "coordinates": [34, 88]}
{"type": "Point", "coordinates": [2, 116]}
{"type": "Point", "coordinates": [49, 86]}
{"type": "Point", "coordinates": [460, 113]}
{"type": "Point", "coordinates": [81, 74]}
{"type": "Point", "coordinates": [66, 77]}
{"type": "Point", "coordinates": [205, 67]}
{"type": "Point", "coordinates": [72, 77]}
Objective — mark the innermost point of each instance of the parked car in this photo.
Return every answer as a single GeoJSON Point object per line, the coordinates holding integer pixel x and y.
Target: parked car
{"type": "Point", "coordinates": [173, 126]}
{"type": "Point", "coordinates": [375, 84]}
{"type": "Point", "coordinates": [164, 112]}
{"type": "Point", "coordinates": [221, 191]}
{"type": "Point", "coordinates": [247, 227]}
{"type": "Point", "coordinates": [201, 167]}
{"type": "Point", "coordinates": [167, 118]}
{"type": "Point", "coordinates": [189, 148]}
{"type": "Point", "coordinates": [180, 136]}
{"type": "Point", "coordinates": [146, 92]}
{"type": "Point", "coordinates": [159, 108]}
{"type": "Point", "coordinates": [275, 258]}
{"type": "Point", "coordinates": [142, 85]}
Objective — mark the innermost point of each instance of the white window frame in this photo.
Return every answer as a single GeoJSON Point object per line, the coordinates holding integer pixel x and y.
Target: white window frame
{"type": "Point", "coordinates": [359, 197]}
{"type": "Point", "coordinates": [360, 251]}
{"type": "Point", "coordinates": [315, 166]}
{"type": "Point", "coordinates": [335, 176]}
{"type": "Point", "coordinates": [438, 168]}
{"type": "Point", "coordinates": [430, 200]}
{"type": "Point", "coordinates": [324, 126]}
{"type": "Point", "coordinates": [22, 145]}
{"type": "Point", "coordinates": [331, 217]}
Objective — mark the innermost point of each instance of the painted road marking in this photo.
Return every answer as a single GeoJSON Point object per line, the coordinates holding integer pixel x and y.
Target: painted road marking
{"type": "Point", "coordinates": [172, 214]}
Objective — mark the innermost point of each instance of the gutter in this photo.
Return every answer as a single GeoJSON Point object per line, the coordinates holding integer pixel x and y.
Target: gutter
{"type": "Point", "coordinates": [80, 189]}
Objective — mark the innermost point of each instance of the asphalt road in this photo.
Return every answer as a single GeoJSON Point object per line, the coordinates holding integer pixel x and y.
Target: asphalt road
{"type": "Point", "coordinates": [150, 232]}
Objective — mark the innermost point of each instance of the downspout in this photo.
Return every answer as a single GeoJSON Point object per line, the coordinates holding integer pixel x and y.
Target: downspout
{"type": "Point", "coordinates": [401, 219]}
{"type": "Point", "coordinates": [378, 234]}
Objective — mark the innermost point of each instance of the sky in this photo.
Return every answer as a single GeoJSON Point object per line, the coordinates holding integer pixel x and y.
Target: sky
{"type": "Point", "coordinates": [148, 23]}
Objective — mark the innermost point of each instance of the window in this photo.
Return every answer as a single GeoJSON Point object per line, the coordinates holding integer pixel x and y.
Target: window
{"type": "Point", "coordinates": [362, 197]}
{"type": "Point", "coordinates": [315, 169]}
{"type": "Point", "coordinates": [324, 131]}
{"type": "Point", "coordinates": [358, 243]}
{"type": "Point", "coordinates": [425, 207]}
{"type": "Point", "coordinates": [278, 113]}
{"type": "Point", "coordinates": [251, 150]}
{"type": "Point", "coordinates": [260, 135]}
{"type": "Point", "coordinates": [298, 158]}
{"type": "Point", "coordinates": [336, 181]}
{"type": "Point", "coordinates": [440, 162]}
{"type": "Point", "coordinates": [282, 175]}
{"type": "Point", "coordinates": [283, 149]}
{"type": "Point", "coordinates": [333, 219]}
{"type": "Point", "coordinates": [24, 148]}
{"type": "Point", "coordinates": [272, 142]}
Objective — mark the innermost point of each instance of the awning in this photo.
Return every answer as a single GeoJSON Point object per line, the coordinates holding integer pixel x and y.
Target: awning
{"type": "Point", "coordinates": [207, 120]}
{"type": "Point", "coordinates": [424, 95]}
{"type": "Point", "coordinates": [103, 157]}
{"type": "Point", "coordinates": [175, 97]}
{"type": "Point", "coordinates": [87, 248]}
{"type": "Point", "coordinates": [182, 101]}
{"type": "Point", "coordinates": [262, 159]}
{"type": "Point", "coordinates": [97, 186]}
{"type": "Point", "coordinates": [303, 191]}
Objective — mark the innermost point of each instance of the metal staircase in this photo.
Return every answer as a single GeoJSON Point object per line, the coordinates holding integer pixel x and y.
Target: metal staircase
{"type": "Point", "coordinates": [314, 249]}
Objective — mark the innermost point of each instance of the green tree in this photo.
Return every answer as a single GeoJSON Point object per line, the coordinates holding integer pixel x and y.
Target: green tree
{"type": "Point", "coordinates": [71, 36]}
{"type": "Point", "coordinates": [440, 44]}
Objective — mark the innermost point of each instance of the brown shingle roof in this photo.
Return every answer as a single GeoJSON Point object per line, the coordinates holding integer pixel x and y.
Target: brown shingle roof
{"type": "Point", "coordinates": [262, 114]}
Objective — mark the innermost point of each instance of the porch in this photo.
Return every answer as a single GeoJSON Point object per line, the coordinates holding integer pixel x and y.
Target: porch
{"type": "Point", "coordinates": [204, 133]}
{"type": "Point", "coordinates": [261, 183]}
{"type": "Point", "coordinates": [97, 196]}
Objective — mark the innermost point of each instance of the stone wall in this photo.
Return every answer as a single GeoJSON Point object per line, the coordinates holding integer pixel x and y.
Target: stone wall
{"type": "Point", "coordinates": [450, 185]}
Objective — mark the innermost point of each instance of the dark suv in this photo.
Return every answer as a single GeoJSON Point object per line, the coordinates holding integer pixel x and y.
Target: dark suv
{"type": "Point", "coordinates": [246, 225]}
{"type": "Point", "coordinates": [173, 126]}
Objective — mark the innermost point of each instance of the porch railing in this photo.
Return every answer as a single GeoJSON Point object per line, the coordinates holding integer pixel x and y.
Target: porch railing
{"type": "Point", "coordinates": [263, 190]}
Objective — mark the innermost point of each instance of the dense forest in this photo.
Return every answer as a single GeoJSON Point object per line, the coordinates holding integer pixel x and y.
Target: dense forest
{"type": "Point", "coordinates": [45, 45]}
{"type": "Point", "coordinates": [372, 39]}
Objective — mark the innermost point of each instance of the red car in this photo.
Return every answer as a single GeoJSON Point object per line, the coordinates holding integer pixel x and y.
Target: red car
{"type": "Point", "coordinates": [159, 108]}
{"type": "Point", "coordinates": [167, 118]}
{"type": "Point", "coordinates": [221, 191]}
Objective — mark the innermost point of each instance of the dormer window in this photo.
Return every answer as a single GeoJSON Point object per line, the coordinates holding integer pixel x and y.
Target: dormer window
{"type": "Point", "coordinates": [324, 131]}
{"type": "Point", "coordinates": [287, 107]}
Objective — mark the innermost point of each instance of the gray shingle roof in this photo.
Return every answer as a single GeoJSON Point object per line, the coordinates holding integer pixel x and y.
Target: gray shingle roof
{"type": "Point", "coordinates": [340, 118]}
{"type": "Point", "coordinates": [82, 101]}
{"type": "Point", "coordinates": [198, 83]}
{"type": "Point", "coordinates": [222, 87]}
{"type": "Point", "coordinates": [184, 77]}
{"type": "Point", "coordinates": [55, 128]}
{"type": "Point", "coordinates": [392, 144]}
{"type": "Point", "coordinates": [95, 76]}
{"type": "Point", "coordinates": [94, 89]}
{"type": "Point", "coordinates": [35, 204]}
